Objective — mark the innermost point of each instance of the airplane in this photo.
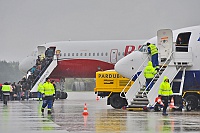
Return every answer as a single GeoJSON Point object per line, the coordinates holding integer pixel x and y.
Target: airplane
{"type": "Point", "coordinates": [181, 62]}
{"type": "Point", "coordinates": [80, 59]}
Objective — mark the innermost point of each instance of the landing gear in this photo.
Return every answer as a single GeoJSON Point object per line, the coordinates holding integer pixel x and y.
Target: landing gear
{"type": "Point", "coordinates": [117, 102]}
{"type": "Point", "coordinates": [63, 95]}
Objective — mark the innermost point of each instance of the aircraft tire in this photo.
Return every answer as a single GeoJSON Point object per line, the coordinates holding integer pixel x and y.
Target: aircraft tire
{"type": "Point", "coordinates": [116, 101]}
{"type": "Point", "coordinates": [192, 101]}
{"type": "Point", "coordinates": [63, 95]}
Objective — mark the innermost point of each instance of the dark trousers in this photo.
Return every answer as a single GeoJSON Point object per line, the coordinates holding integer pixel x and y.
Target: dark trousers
{"type": "Point", "coordinates": [6, 96]}
{"type": "Point", "coordinates": [147, 84]}
{"type": "Point", "coordinates": [166, 100]}
{"type": "Point", "coordinates": [39, 95]}
{"type": "Point", "coordinates": [47, 101]}
{"type": "Point", "coordinates": [154, 59]}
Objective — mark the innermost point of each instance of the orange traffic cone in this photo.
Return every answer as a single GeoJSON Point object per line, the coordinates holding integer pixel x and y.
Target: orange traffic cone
{"type": "Point", "coordinates": [171, 105]}
{"type": "Point", "coordinates": [159, 101]}
{"type": "Point", "coordinates": [85, 119]}
{"type": "Point", "coordinates": [85, 110]}
{"type": "Point", "coordinates": [97, 98]}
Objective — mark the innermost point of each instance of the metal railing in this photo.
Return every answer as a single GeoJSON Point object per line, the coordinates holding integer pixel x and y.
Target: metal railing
{"type": "Point", "coordinates": [136, 74]}
{"type": "Point", "coordinates": [157, 74]}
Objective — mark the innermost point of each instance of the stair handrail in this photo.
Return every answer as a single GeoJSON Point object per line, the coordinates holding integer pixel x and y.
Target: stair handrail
{"type": "Point", "coordinates": [136, 74]}
{"type": "Point", "coordinates": [157, 73]}
{"type": "Point", "coordinates": [44, 70]}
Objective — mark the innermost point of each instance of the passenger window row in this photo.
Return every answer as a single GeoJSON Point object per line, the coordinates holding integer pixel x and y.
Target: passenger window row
{"type": "Point", "coordinates": [88, 54]}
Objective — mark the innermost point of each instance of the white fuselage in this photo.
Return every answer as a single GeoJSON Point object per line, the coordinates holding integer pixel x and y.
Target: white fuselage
{"type": "Point", "coordinates": [83, 58]}
{"type": "Point", "coordinates": [131, 64]}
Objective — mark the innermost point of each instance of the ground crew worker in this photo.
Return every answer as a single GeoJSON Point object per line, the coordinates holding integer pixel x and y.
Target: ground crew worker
{"type": "Point", "coordinates": [48, 93]}
{"type": "Point", "coordinates": [40, 87]}
{"type": "Point", "coordinates": [153, 50]}
{"type": "Point", "coordinates": [6, 89]}
{"type": "Point", "coordinates": [149, 73]}
{"type": "Point", "coordinates": [165, 92]}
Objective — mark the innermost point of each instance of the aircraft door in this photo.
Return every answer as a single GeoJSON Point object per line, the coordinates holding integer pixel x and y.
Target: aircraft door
{"type": "Point", "coordinates": [41, 50]}
{"type": "Point", "coordinates": [113, 56]}
{"type": "Point", "coordinates": [165, 43]}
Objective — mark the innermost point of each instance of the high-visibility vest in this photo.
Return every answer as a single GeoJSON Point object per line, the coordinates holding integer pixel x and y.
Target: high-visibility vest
{"type": "Point", "coordinates": [165, 88]}
{"type": "Point", "coordinates": [149, 71]}
{"type": "Point", "coordinates": [6, 88]}
{"type": "Point", "coordinates": [153, 49]}
{"type": "Point", "coordinates": [40, 87]}
{"type": "Point", "coordinates": [48, 89]}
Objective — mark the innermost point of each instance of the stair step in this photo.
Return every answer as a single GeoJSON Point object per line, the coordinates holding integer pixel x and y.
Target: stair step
{"type": "Point", "coordinates": [136, 106]}
{"type": "Point", "coordinates": [139, 102]}
{"type": "Point", "coordinates": [155, 79]}
{"type": "Point", "coordinates": [140, 92]}
{"type": "Point", "coordinates": [140, 96]}
{"type": "Point", "coordinates": [140, 99]}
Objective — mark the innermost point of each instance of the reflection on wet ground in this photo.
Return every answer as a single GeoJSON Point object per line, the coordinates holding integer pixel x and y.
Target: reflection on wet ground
{"type": "Point", "coordinates": [25, 116]}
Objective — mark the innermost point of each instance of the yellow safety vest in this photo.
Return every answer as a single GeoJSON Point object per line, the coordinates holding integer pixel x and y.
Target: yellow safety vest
{"type": "Point", "coordinates": [149, 71]}
{"type": "Point", "coordinates": [153, 49]}
{"type": "Point", "coordinates": [165, 88]}
{"type": "Point", "coordinates": [5, 88]}
{"type": "Point", "coordinates": [40, 87]}
{"type": "Point", "coordinates": [48, 89]}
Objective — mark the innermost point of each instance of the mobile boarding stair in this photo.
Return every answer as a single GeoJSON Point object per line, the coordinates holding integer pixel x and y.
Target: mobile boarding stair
{"type": "Point", "coordinates": [138, 98]}
{"type": "Point", "coordinates": [45, 74]}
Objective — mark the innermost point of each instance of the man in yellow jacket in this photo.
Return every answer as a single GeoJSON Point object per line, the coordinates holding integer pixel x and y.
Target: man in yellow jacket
{"type": "Point", "coordinates": [6, 89]}
{"type": "Point", "coordinates": [149, 73]}
{"type": "Point", "coordinates": [153, 50]}
{"type": "Point", "coordinates": [165, 92]}
{"type": "Point", "coordinates": [48, 93]}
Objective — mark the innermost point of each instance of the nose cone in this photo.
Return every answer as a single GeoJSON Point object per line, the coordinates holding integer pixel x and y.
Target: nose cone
{"type": "Point", "coordinates": [26, 64]}
{"type": "Point", "coordinates": [129, 65]}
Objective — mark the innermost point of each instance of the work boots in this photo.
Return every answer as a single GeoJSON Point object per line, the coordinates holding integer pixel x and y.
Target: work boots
{"type": "Point", "coordinates": [49, 112]}
{"type": "Point", "coordinates": [164, 113]}
{"type": "Point", "coordinates": [42, 110]}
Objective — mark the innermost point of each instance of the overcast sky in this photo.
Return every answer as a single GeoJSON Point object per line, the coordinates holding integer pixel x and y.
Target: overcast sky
{"type": "Point", "coordinates": [24, 24]}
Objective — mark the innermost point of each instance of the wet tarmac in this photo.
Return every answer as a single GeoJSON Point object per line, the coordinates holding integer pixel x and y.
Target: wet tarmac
{"type": "Point", "coordinates": [25, 117]}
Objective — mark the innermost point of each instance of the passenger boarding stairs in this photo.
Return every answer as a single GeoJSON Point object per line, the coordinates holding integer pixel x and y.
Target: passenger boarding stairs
{"type": "Point", "coordinates": [137, 96]}
{"type": "Point", "coordinates": [44, 74]}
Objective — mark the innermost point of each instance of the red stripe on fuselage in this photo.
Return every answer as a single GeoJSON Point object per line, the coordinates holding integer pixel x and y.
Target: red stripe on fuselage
{"type": "Point", "coordinates": [79, 68]}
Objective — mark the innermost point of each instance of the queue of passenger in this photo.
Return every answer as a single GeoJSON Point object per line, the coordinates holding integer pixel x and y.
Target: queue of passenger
{"type": "Point", "coordinates": [42, 62]}
{"type": "Point", "coordinates": [21, 90]}
{"type": "Point", "coordinates": [18, 91]}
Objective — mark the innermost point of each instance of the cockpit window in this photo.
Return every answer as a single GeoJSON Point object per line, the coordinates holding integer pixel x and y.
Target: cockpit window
{"type": "Point", "coordinates": [143, 48]}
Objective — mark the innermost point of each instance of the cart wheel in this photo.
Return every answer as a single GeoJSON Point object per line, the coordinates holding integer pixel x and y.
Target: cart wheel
{"type": "Point", "coordinates": [192, 101]}
{"type": "Point", "coordinates": [117, 102]}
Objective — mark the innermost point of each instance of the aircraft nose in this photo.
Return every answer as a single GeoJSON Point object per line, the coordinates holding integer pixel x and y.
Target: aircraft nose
{"type": "Point", "coordinates": [130, 64]}
{"type": "Point", "coordinates": [26, 64]}
{"type": "Point", "coordinates": [125, 66]}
